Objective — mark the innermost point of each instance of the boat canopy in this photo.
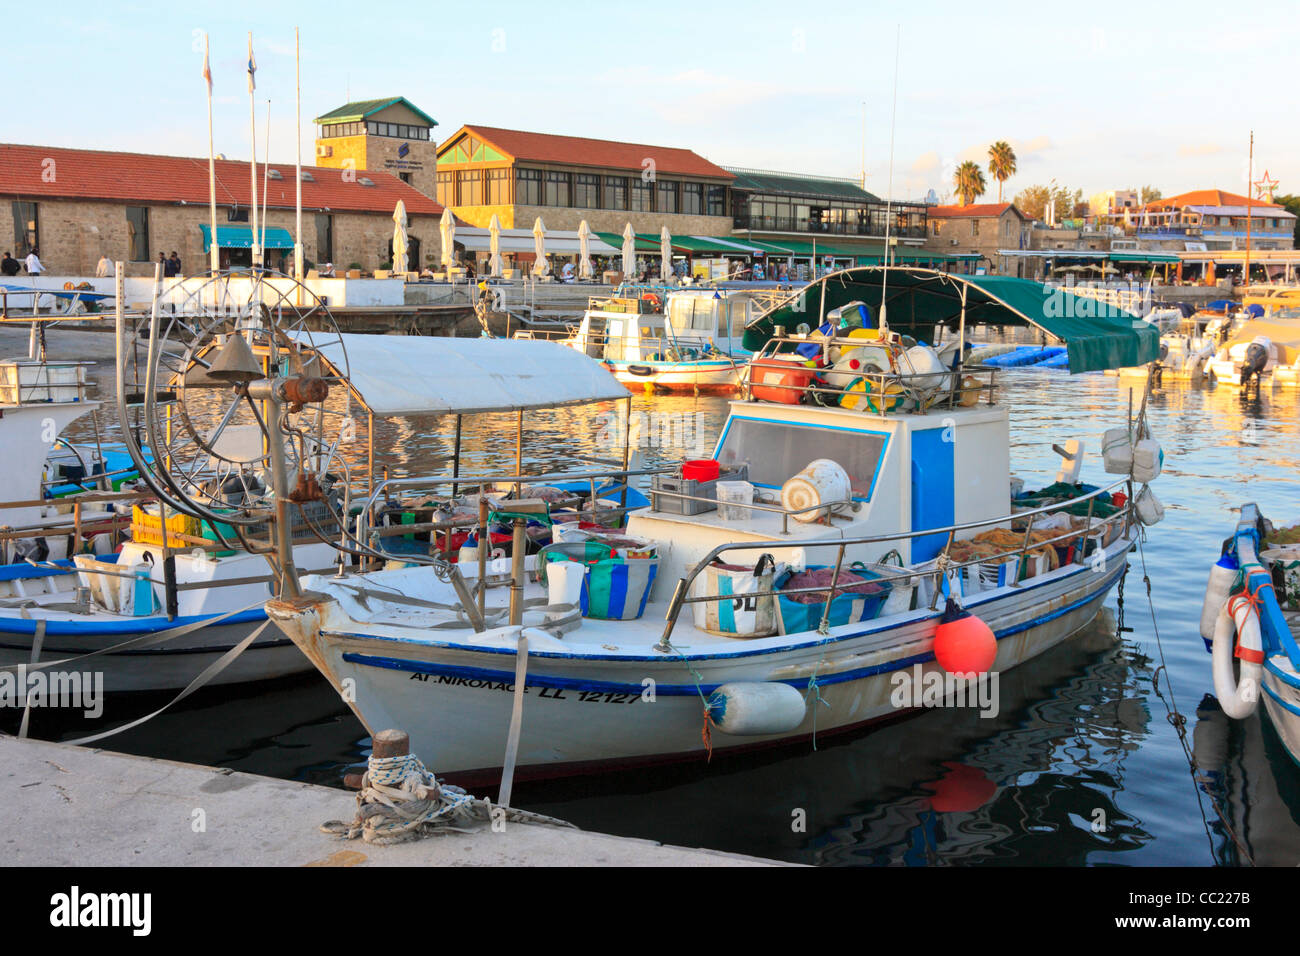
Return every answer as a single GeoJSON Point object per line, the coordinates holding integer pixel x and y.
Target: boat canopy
{"type": "Point", "coordinates": [1097, 336]}
{"type": "Point", "coordinates": [419, 375]}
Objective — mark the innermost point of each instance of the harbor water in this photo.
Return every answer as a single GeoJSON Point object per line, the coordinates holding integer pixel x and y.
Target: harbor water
{"type": "Point", "coordinates": [1082, 763]}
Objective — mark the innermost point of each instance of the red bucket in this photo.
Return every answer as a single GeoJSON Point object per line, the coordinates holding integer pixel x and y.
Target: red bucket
{"type": "Point", "coordinates": [700, 469]}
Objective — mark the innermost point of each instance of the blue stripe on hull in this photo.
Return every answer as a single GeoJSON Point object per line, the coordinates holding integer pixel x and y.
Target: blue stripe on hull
{"type": "Point", "coordinates": [676, 690]}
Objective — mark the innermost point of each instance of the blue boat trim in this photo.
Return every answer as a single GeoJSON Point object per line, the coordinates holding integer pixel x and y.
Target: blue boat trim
{"type": "Point", "coordinates": [970, 605]}
{"type": "Point", "coordinates": [1290, 680]}
{"type": "Point", "coordinates": [1285, 705]}
{"type": "Point", "coordinates": [123, 626]}
{"type": "Point", "coordinates": [670, 690]}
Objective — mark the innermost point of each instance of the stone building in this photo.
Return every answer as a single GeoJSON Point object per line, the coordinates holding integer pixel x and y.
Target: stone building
{"type": "Point", "coordinates": [388, 135]}
{"type": "Point", "coordinates": [979, 228]}
{"type": "Point", "coordinates": [520, 176]}
{"type": "Point", "coordinates": [78, 205]}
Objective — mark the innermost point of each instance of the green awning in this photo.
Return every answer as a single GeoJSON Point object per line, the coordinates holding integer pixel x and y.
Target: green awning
{"type": "Point", "coordinates": [241, 237]}
{"type": "Point", "coordinates": [1156, 258]}
{"type": "Point", "coordinates": [1097, 336]}
{"type": "Point", "coordinates": [615, 239]}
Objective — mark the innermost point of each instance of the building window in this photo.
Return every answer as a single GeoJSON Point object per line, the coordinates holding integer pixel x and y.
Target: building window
{"type": "Point", "coordinates": [693, 198]}
{"type": "Point", "coordinates": [405, 177]}
{"type": "Point", "coordinates": [615, 192]}
{"type": "Point", "coordinates": [498, 187]}
{"type": "Point", "coordinates": [137, 232]}
{"type": "Point", "coordinates": [586, 190]}
{"type": "Point", "coordinates": [934, 227]}
{"type": "Point", "coordinates": [26, 228]}
{"type": "Point", "coordinates": [469, 187]}
{"type": "Point", "coordinates": [667, 196]}
{"type": "Point", "coordinates": [717, 200]}
{"type": "Point", "coordinates": [641, 195]}
{"type": "Point", "coordinates": [237, 213]}
{"type": "Point", "coordinates": [446, 188]}
{"type": "Point", "coordinates": [324, 237]}
{"type": "Point", "coordinates": [558, 189]}
{"type": "Point", "coordinates": [974, 227]}
{"type": "Point", "coordinates": [528, 187]}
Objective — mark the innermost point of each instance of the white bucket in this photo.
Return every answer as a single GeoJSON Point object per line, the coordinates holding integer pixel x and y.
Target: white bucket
{"type": "Point", "coordinates": [564, 582]}
{"type": "Point", "coordinates": [732, 495]}
{"type": "Point", "coordinates": [820, 482]}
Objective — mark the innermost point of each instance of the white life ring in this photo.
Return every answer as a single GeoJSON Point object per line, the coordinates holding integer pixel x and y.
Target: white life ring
{"type": "Point", "coordinates": [1238, 696]}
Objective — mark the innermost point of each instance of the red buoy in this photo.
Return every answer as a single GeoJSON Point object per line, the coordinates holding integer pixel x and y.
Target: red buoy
{"type": "Point", "coordinates": [963, 644]}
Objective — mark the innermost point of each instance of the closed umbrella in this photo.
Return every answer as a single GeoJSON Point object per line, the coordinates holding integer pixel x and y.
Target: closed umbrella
{"type": "Point", "coordinates": [629, 252]}
{"type": "Point", "coordinates": [400, 261]}
{"type": "Point", "coordinates": [494, 247]}
{"type": "Point", "coordinates": [584, 250]}
{"type": "Point", "coordinates": [540, 266]}
{"type": "Point", "coordinates": [665, 254]}
{"type": "Point", "coordinates": [447, 226]}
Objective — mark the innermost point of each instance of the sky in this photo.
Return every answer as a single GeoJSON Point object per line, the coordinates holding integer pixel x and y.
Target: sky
{"type": "Point", "coordinates": [1095, 96]}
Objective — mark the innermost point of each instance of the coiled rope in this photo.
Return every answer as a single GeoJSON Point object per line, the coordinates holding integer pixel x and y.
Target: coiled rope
{"type": "Point", "coordinates": [401, 801]}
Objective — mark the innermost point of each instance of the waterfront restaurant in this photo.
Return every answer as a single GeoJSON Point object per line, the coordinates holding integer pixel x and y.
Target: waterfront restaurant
{"type": "Point", "coordinates": [1217, 219]}
{"type": "Point", "coordinates": [833, 223]}
{"type": "Point", "coordinates": [79, 204]}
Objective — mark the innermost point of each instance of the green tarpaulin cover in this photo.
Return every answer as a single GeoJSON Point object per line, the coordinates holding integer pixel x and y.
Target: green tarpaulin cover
{"type": "Point", "coordinates": [1097, 336]}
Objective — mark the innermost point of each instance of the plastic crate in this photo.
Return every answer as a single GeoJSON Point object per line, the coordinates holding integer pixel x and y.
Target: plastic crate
{"type": "Point", "coordinates": [675, 485]}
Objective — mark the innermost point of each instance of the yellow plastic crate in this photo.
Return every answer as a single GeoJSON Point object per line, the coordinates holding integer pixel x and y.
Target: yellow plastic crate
{"type": "Point", "coordinates": [146, 528]}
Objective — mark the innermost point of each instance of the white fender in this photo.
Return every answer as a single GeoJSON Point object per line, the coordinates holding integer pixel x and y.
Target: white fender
{"type": "Point", "coordinates": [1238, 696]}
{"type": "Point", "coordinates": [748, 708]}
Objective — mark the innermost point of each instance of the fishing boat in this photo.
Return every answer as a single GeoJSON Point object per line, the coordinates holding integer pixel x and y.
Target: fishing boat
{"type": "Point", "coordinates": [860, 539]}
{"type": "Point", "coordinates": [1259, 352]}
{"type": "Point", "coordinates": [679, 340]}
{"type": "Point", "coordinates": [1250, 622]}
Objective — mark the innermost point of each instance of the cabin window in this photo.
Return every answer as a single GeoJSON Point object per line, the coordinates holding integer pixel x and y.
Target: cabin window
{"type": "Point", "coordinates": [687, 313]}
{"type": "Point", "coordinates": [777, 451]}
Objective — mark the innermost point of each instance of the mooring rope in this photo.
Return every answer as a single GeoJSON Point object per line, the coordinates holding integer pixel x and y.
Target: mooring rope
{"type": "Point", "coordinates": [1179, 723]}
{"type": "Point", "coordinates": [401, 801]}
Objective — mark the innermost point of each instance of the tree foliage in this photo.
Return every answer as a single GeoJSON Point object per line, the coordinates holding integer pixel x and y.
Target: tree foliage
{"type": "Point", "coordinates": [968, 180]}
{"type": "Point", "coordinates": [1002, 163]}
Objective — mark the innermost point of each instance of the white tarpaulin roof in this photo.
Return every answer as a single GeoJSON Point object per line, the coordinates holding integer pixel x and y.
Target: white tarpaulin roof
{"type": "Point", "coordinates": [559, 242]}
{"type": "Point", "coordinates": [417, 374]}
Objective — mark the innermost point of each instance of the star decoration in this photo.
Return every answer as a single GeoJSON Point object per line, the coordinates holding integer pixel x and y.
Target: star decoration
{"type": "Point", "coordinates": [1265, 185]}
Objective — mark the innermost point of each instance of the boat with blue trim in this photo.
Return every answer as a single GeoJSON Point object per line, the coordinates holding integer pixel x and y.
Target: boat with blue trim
{"type": "Point", "coordinates": [856, 548]}
{"type": "Point", "coordinates": [1250, 622]}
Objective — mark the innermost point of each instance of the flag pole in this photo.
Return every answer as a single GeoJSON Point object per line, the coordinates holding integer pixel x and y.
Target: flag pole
{"type": "Point", "coordinates": [252, 137]}
{"type": "Point", "coordinates": [214, 251]}
{"type": "Point", "coordinates": [297, 126]}
{"type": "Point", "coordinates": [266, 176]}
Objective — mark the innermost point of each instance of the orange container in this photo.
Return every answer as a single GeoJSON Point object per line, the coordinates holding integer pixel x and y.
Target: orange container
{"type": "Point", "coordinates": [777, 380]}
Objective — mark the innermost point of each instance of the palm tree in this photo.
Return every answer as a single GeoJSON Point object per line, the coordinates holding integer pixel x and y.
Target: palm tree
{"type": "Point", "coordinates": [1002, 163]}
{"type": "Point", "coordinates": [969, 181]}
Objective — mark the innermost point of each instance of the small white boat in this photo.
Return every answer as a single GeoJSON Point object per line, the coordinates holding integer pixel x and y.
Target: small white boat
{"type": "Point", "coordinates": [1259, 352]}
{"type": "Point", "coordinates": [686, 642]}
{"type": "Point", "coordinates": [1250, 622]}
{"type": "Point", "coordinates": [681, 340]}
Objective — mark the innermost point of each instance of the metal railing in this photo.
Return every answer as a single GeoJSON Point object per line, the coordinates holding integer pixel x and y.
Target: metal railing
{"type": "Point", "coordinates": [681, 593]}
{"type": "Point", "coordinates": [883, 391]}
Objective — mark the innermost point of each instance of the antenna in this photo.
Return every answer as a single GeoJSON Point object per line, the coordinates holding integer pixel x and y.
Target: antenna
{"type": "Point", "coordinates": [889, 196]}
{"type": "Point", "coordinates": [864, 145]}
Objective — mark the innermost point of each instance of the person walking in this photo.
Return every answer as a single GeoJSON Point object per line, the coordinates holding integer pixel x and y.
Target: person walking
{"type": "Point", "coordinates": [104, 269]}
{"type": "Point", "coordinates": [9, 266]}
{"type": "Point", "coordinates": [34, 267]}
{"type": "Point", "coordinates": [175, 261]}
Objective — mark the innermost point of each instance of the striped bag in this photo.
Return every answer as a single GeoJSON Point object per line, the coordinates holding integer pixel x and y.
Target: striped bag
{"type": "Point", "coordinates": [742, 614]}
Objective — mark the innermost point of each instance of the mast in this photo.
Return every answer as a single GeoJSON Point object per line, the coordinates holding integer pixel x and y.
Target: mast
{"type": "Point", "coordinates": [214, 251]}
{"type": "Point", "coordinates": [297, 171]}
{"type": "Point", "coordinates": [1250, 175]}
{"type": "Point", "coordinates": [256, 249]}
{"type": "Point", "coordinates": [889, 197]}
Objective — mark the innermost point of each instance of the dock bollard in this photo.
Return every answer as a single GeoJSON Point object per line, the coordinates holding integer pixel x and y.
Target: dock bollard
{"type": "Point", "coordinates": [386, 743]}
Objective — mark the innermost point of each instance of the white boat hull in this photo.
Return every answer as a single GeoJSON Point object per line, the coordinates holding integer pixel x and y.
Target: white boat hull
{"type": "Point", "coordinates": [591, 710]}
{"type": "Point", "coordinates": [679, 376]}
{"type": "Point", "coordinates": [1281, 694]}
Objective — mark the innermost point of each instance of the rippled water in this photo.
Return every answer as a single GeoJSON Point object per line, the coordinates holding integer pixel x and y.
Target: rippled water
{"type": "Point", "coordinates": [1081, 765]}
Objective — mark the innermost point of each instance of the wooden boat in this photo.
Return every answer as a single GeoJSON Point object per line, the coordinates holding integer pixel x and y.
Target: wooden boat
{"type": "Point", "coordinates": [618, 660]}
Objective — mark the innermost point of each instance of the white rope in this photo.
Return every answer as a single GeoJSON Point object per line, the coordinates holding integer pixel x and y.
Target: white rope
{"type": "Point", "coordinates": [400, 801]}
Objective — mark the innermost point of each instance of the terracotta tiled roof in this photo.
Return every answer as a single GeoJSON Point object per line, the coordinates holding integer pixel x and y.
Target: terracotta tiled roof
{"type": "Point", "coordinates": [56, 173]}
{"type": "Point", "coordinates": [973, 211]}
{"type": "Point", "coordinates": [580, 151]}
{"type": "Point", "coordinates": [1209, 197]}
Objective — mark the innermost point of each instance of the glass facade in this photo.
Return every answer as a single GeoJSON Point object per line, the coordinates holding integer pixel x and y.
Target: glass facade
{"type": "Point", "coordinates": [578, 190]}
{"type": "Point", "coordinates": [777, 213]}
